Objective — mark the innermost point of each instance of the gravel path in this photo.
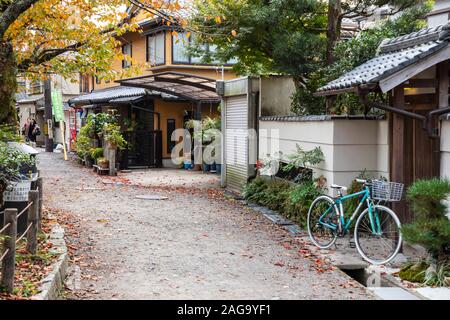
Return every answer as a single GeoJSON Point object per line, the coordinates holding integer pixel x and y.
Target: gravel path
{"type": "Point", "coordinates": [195, 245]}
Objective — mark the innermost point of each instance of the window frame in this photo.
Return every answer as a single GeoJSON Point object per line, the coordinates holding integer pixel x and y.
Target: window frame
{"type": "Point", "coordinates": [175, 62]}
{"type": "Point", "coordinates": [147, 53]}
{"type": "Point", "coordinates": [124, 66]}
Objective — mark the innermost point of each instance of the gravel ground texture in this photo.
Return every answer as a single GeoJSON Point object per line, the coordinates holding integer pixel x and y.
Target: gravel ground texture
{"type": "Point", "coordinates": [196, 244]}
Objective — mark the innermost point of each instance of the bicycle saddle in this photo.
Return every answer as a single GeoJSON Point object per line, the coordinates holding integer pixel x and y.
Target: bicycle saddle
{"type": "Point", "coordinates": [336, 186]}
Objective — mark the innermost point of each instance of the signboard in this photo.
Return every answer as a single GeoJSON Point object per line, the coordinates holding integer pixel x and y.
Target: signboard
{"type": "Point", "coordinates": [57, 105]}
{"type": "Point", "coordinates": [20, 192]}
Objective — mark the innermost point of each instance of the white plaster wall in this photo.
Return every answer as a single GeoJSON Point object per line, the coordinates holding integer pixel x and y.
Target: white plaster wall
{"type": "Point", "coordinates": [276, 95]}
{"type": "Point", "coordinates": [445, 154]}
{"type": "Point", "coordinates": [349, 146]}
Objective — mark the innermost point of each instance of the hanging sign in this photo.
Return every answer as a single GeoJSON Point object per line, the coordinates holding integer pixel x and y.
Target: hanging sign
{"type": "Point", "coordinates": [57, 105]}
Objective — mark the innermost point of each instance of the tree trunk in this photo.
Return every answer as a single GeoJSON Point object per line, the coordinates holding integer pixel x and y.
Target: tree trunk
{"type": "Point", "coordinates": [8, 84]}
{"type": "Point", "coordinates": [333, 28]}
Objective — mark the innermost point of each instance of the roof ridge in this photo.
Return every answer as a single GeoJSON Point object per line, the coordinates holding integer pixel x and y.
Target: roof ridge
{"type": "Point", "coordinates": [415, 38]}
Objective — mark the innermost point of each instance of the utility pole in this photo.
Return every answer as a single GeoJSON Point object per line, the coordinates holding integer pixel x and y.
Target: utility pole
{"type": "Point", "coordinates": [48, 115]}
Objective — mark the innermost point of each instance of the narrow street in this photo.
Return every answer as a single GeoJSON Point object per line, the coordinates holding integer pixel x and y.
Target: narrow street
{"type": "Point", "coordinates": [196, 244]}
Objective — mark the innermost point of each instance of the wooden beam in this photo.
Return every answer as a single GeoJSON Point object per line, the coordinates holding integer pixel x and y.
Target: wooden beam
{"type": "Point", "coordinates": [443, 83]}
{"type": "Point", "coordinates": [420, 83]}
{"type": "Point", "coordinates": [398, 147]}
{"type": "Point", "coordinates": [410, 71]}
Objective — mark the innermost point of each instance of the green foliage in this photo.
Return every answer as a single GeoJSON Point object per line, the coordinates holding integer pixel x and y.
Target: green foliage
{"type": "Point", "coordinates": [292, 201]}
{"type": "Point", "coordinates": [96, 153]}
{"type": "Point", "coordinates": [299, 200]}
{"type": "Point", "coordinates": [283, 36]}
{"type": "Point", "coordinates": [84, 142]}
{"type": "Point", "coordinates": [113, 135]}
{"type": "Point", "coordinates": [349, 54]}
{"type": "Point", "coordinates": [11, 159]}
{"type": "Point", "coordinates": [303, 159]}
{"type": "Point", "coordinates": [414, 272]}
{"type": "Point", "coordinates": [431, 226]}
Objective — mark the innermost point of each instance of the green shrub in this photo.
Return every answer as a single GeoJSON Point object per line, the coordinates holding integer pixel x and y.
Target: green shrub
{"type": "Point", "coordinates": [299, 200]}
{"type": "Point", "coordinates": [291, 201]}
{"type": "Point", "coordinates": [431, 226]}
{"type": "Point", "coordinates": [254, 190]}
{"type": "Point", "coordinates": [275, 194]}
{"type": "Point", "coordinates": [96, 153]}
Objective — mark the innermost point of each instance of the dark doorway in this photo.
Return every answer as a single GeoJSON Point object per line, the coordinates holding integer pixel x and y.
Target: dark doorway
{"type": "Point", "coordinates": [144, 141]}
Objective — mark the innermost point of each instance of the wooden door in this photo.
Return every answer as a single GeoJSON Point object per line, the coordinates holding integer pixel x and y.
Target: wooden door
{"type": "Point", "coordinates": [419, 159]}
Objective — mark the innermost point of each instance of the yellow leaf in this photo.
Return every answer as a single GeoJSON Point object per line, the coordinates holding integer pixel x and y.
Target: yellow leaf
{"type": "Point", "coordinates": [233, 33]}
{"type": "Point", "coordinates": [218, 19]}
{"type": "Point", "coordinates": [188, 35]}
{"type": "Point", "coordinates": [174, 33]}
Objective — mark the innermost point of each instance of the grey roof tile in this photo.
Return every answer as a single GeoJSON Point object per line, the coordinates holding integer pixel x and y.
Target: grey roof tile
{"type": "Point", "coordinates": [393, 55]}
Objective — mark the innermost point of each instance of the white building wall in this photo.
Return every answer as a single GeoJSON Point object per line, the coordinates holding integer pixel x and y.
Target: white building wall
{"type": "Point", "coordinates": [349, 146]}
{"type": "Point", "coordinates": [445, 153]}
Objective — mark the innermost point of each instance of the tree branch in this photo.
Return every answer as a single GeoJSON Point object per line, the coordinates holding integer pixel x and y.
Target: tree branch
{"type": "Point", "coordinates": [49, 54]}
{"type": "Point", "coordinates": [12, 12]}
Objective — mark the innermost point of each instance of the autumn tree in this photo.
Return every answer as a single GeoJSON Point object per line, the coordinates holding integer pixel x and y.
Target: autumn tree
{"type": "Point", "coordinates": [67, 37]}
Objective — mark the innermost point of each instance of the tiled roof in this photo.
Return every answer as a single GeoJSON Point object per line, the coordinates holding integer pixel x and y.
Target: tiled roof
{"type": "Point", "coordinates": [116, 94]}
{"type": "Point", "coordinates": [393, 55]}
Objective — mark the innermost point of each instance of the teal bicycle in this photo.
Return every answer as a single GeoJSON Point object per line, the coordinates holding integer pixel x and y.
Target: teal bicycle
{"type": "Point", "coordinates": [377, 229]}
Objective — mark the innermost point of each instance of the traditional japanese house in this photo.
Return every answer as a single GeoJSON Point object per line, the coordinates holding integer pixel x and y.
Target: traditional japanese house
{"type": "Point", "coordinates": [174, 88]}
{"type": "Point", "coordinates": [412, 72]}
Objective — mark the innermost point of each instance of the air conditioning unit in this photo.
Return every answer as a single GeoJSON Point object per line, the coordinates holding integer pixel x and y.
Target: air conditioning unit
{"type": "Point", "coordinates": [220, 88]}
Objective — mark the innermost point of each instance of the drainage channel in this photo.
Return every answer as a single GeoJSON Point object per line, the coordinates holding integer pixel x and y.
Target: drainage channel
{"type": "Point", "coordinates": [379, 285]}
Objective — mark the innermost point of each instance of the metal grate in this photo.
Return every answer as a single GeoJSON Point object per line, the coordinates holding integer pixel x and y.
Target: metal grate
{"type": "Point", "coordinates": [387, 191]}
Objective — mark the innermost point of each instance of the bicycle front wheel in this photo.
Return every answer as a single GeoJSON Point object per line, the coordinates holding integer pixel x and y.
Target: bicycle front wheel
{"type": "Point", "coordinates": [322, 222]}
{"type": "Point", "coordinates": [377, 236]}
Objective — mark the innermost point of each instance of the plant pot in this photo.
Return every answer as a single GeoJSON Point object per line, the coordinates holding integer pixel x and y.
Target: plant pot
{"type": "Point", "coordinates": [104, 164]}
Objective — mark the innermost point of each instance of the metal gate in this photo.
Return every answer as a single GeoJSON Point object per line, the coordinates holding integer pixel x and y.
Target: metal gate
{"type": "Point", "coordinates": [236, 142]}
{"type": "Point", "coordinates": [144, 149]}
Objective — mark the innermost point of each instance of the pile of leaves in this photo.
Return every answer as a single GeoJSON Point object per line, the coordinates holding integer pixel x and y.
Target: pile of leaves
{"type": "Point", "coordinates": [32, 269]}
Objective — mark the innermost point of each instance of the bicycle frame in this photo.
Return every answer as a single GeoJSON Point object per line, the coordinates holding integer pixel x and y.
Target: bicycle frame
{"type": "Point", "coordinates": [344, 226]}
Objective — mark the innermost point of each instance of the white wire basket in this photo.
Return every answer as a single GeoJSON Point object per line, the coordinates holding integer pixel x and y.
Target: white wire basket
{"type": "Point", "coordinates": [387, 191]}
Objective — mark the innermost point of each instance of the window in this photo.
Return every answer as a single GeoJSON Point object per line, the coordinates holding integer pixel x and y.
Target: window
{"type": "Point", "coordinates": [180, 54]}
{"type": "Point", "coordinates": [36, 87]}
{"type": "Point", "coordinates": [155, 49]}
{"type": "Point", "coordinates": [170, 130]}
{"type": "Point", "coordinates": [84, 83]}
{"type": "Point", "coordinates": [127, 51]}
{"type": "Point", "coordinates": [179, 46]}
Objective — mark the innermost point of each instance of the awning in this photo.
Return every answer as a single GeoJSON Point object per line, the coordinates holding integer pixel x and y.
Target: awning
{"type": "Point", "coordinates": [185, 86]}
{"type": "Point", "coordinates": [395, 56]}
{"type": "Point", "coordinates": [119, 94]}
{"type": "Point", "coordinates": [105, 95]}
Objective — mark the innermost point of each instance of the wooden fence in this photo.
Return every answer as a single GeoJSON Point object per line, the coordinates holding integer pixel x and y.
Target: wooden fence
{"type": "Point", "coordinates": [11, 238]}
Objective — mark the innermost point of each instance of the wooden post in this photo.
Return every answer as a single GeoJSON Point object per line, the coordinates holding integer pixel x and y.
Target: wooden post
{"type": "Point", "coordinates": [398, 148]}
{"type": "Point", "coordinates": [40, 185]}
{"type": "Point", "coordinates": [33, 217]}
{"type": "Point", "coordinates": [10, 216]}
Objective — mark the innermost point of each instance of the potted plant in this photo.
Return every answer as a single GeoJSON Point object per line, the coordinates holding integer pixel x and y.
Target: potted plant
{"type": "Point", "coordinates": [103, 163]}
{"type": "Point", "coordinates": [96, 153]}
{"type": "Point", "coordinates": [113, 136]}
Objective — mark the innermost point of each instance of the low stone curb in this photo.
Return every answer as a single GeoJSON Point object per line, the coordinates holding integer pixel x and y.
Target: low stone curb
{"type": "Point", "coordinates": [53, 283]}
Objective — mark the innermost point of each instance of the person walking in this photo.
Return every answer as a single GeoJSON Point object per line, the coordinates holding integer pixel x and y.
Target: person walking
{"type": "Point", "coordinates": [33, 130]}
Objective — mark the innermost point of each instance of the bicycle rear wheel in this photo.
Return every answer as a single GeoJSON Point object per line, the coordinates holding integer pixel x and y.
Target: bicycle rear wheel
{"type": "Point", "coordinates": [379, 247]}
{"type": "Point", "coordinates": [321, 215]}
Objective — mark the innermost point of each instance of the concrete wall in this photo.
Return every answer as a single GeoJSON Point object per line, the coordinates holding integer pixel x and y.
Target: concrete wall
{"type": "Point", "coordinates": [440, 13]}
{"type": "Point", "coordinates": [349, 146]}
{"type": "Point", "coordinates": [445, 153]}
{"type": "Point", "coordinates": [276, 95]}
